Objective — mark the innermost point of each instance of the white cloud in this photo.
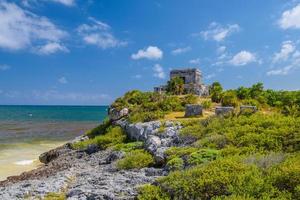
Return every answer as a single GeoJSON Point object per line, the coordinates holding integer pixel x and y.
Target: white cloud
{"type": "Point", "coordinates": [283, 71]}
{"type": "Point", "coordinates": [287, 48]}
{"type": "Point", "coordinates": [243, 58]}
{"type": "Point", "coordinates": [99, 34]}
{"type": "Point", "coordinates": [151, 53]}
{"type": "Point", "coordinates": [4, 67]}
{"type": "Point", "coordinates": [21, 29]}
{"type": "Point", "coordinates": [210, 76]}
{"type": "Point", "coordinates": [218, 32]}
{"type": "Point", "coordinates": [290, 18]}
{"type": "Point", "coordinates": [65, 2]}
{"type": "Point", "coordinates": [63, 80]}
{"type": "Point", "coordinates": [28, 3]}
{"type": "Point", "coordinates": [195, 61]}
{"type": "Point", "coordinates": [69, 96]}
{"type": "Point", "coordinates": [180, 50]}
{"type": "Point", "coordinates": [51, 48]}
{"type": "Point", "coordinates": [137, 76]}
{"type": "Point", "coordinates": [221, 49]}
{"type": "Point", "coordinates": [159, 71]}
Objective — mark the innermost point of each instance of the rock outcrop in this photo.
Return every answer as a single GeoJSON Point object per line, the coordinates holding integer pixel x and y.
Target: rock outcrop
{"type": "Point", "coordinates": [157, 137]}
{"type": "Point", "coordinates": [192, 110]}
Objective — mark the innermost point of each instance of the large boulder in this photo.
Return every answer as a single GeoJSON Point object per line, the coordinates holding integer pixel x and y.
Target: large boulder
{"type": "Point", "coordinates": [153, 143]}
{"type": "Point", "coordinates": [224, 110]}
{"type": "Point", "coordinates": [192, 110]}
{"type": "Point", "coordinates": [115, 114]}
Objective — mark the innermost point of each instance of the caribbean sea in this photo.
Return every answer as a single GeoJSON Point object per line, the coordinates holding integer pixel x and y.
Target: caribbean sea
{"type": "Point", "coordinates": [28, 131]}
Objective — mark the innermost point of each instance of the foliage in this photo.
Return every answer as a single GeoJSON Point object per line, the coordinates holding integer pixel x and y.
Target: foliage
{"type": "Point", "coordinates": [175, 164]}
{"type": "Point", "coordinates": [55, 196]}
{"type": "Point", "coordinates": [206, 104]}
{"type": "Point", "coordinates": [203, 156]}
{"type": "Point", "coordinates": [114, 135]}
{"type": "Point", "coordinates": [151, 192]}
{"type": "Point", "coordinates": [135, 159]}
{"type": "Point", "coordinates": [229, 98]}
{"type": "Point", "coordinates": [175, 86]}
{"type": "Point", "coordinates": [99, 130]}
{"type": "Point", "coordinates": [189, 99]}
{"type": "Point", "coordinates": [215, 91]}
{"type": "Point", "coordinates": [127, 147]}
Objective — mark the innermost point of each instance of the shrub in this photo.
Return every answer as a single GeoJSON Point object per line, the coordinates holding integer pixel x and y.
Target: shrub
{"type": "Point", "coordinates": [127, 147]}
{"type": "Point", "coordinates": [175, 164]}
{"type": "Point", "coordinates": [229, 98]}
{"type": "Point", "coordinates": [113, 136]}
{"type": "Point", "coordinates": [99, 130]}
{"type": "Point", "coordinates": [286, 176]}
{"type": "Point", "coordinates": [176, 152]}
{"type": "Point", "coordinates": [206, 104]}
{"type": "Point", "coordinates": [145, 116]}
{"type": "Point", "coordinates": [175, 86]}
{"type": "Point", "coordinates": [203, 156]}
{"type": "Point", "coordinates": [135, 159]}
{"type": "Point", "coordinates": [151, 192]}
{"type": "Point", "coordinates": [217, 178]}
{"type": "Point", "coordinates": [55, 196]}
{"type": "Point", "coordinates": [189, 99]}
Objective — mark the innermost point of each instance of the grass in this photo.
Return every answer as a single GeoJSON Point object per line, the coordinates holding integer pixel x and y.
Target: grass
{"type": "Point", "coordinates": [55, 196]}
{"type": "Point", "coordinates": [135, 159]}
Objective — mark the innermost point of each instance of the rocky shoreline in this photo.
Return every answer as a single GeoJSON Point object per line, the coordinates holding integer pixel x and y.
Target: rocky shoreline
{"type": "Point", "coordinates": [92, 173]}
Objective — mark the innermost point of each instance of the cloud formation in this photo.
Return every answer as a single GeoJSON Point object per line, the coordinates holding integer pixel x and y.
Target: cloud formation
{"type": "Point", "coordinates": [51, 48]}
{"type": "Point", "coordinates": [195, 61]}
{"type": "Point", "coordinates": [99, 34]}
{"type": "Point", "coordinates": [159, 71]}
{"type": "Point", "coordinates": [180, 50]}
{"type": "Point", "coordinates": [65, 2]}
{"type": "Point", "coordinates": [63, 80]}
{"type": "Point", "coordinates": [287, 48]}
{"type": "Point", "coordinates": [290, 19]}
{"type": "Point", "coordinates": [243, 58]}
{"type": "Point", "coordinates": [219, 32]}
{"type": "Point", "coordinates": [4, 67]}
{"type": "Point", "coordinates": [21, 29]}
{"type": "Point", "coordinates": [150, 53]}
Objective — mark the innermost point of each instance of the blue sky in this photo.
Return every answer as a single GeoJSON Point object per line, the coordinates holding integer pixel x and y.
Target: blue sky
{"type": "Point", "coordinates": [88, 52]}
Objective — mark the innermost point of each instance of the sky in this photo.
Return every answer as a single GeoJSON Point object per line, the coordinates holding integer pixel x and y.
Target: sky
{"type": "Point", "coordinates": [88, 52]}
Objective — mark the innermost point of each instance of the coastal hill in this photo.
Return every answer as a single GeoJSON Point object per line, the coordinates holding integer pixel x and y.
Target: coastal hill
{"type": "Point", "coordinates": [236, 144]}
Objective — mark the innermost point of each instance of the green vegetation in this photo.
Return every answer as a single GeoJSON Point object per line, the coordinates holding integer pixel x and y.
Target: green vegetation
{"type": "Point", "coordinates": [239, 157]}
{"type": "Point", "coordinates": [149, 106]}
{"type": "Point", "coordinates": [175, 86]}
{"type": "Point", "coordinates": [113, 135]}
{"type": "Point", "coordinates": [55, 196]}
{"type": "Point", "coordinates": [135, 159]}
{"type": "Point", "coordinates": [127, 147]}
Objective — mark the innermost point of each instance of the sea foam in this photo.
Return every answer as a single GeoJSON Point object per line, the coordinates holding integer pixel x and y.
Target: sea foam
{"type": "Point", "coordinates": [24, 162]}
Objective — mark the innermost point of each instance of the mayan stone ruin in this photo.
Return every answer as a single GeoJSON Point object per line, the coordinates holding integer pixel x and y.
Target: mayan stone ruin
{"type": "Point", "coordinates": [192, 78]}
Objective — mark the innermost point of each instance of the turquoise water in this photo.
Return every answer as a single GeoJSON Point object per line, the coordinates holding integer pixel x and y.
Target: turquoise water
{"type": "Point", "coordinates": [52, 113]}
{"type": "Point", "coordinates": [28, 131]}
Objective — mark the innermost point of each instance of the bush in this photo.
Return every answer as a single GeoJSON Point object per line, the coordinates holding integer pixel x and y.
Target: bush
{"type": "Point", "coordinates": [206, 104]}
{"type": "Point", "coordinates": [135, 159]}
{"type": "Point", "coordinates": [55, 196]}
{"type": "Point", "coordinates": [151, 192]}
{"type": "Point", "coordinates": [229, 98]}
{"type": "Point", "coordinates": [189, 99]}
{"type": "Point", "coordinates": [175, 164]}
{"type": "Point", "coordinates": [113, 136]}
{"type": "Point", "coordinates": [127, 147]}
{"type": "Point", "coordinates": [203, 156]}
{"type": "Point", "coordinates": [217, 178]}
{"type": "Point", "coordinates": [175, 86]}
{"type": "Point", "coordinates": [146, 116]}
{"type": "Point", "coordinates": [176, 152]}
{"type": "Point", "coordinates": [99, 130]}
{"type": "Point", "coordinates": [215, 91]}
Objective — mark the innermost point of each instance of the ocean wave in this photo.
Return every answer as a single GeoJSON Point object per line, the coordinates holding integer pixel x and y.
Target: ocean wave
{"type": "Point", "coordinates": [24, 162]}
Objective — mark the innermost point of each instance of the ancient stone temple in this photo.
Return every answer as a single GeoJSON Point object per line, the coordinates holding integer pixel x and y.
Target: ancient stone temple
{"type": "Point", "coordinates": [192, 79]}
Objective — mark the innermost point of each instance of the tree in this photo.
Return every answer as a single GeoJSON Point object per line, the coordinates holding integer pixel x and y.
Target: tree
{"type": "Point", "coordinates": [256, 90]}
{"type": "Point", "coordinates": [243, 93]}
{"type": "Point", "coordinates": [216, 92]}
{"type": "Point", "coordinates": [229, 98]}
{"type": "Point", "coordinates": [175, 86]}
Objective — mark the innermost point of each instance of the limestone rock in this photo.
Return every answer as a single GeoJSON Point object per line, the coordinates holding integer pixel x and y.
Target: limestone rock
{"type": "Point", "coordinates": [224, 110]}
{"type": "Point", "coordinates": [114, 114]}
{"type": "Point", "coordinates": [192, 110]}
{"type": "Point", "coordinates": [153, 143]}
